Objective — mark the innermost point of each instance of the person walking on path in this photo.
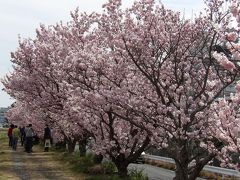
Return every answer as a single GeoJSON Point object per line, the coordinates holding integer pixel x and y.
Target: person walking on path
{"type": "Point", "coordinates": [29, 138]}
{"type": "Point", "coordinates": [10, 135]}
{"type": "Point", "coordinates": [22, 132]}
{"type": "Point", "coordinates": [16, 135]}
{"type": "Point", "coordinates": [47, 138]}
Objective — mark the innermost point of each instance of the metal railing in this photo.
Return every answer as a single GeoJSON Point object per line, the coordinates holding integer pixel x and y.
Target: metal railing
{"type": "Point", "coordinates": [218, 170]}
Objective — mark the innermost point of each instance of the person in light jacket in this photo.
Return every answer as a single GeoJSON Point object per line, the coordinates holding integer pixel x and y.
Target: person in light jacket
{"type": "Point", "coordinates": [15, 135]}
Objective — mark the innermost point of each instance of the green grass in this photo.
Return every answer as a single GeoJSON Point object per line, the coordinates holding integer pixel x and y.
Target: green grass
{"type": "Point", "coordinates": [6, 164]}
{"type": "Point", "coordinates": [104, 177]}
{"type": "Point", "coordinates": [114, 177]}
{"type": "Point", "coordinates": [85, 165]}
{"type": "Point", "coordinates": [3, 134]}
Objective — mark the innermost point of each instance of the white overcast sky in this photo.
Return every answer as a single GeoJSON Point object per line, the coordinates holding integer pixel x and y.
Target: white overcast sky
{"type": "Point", "coordinates": [22, 17]}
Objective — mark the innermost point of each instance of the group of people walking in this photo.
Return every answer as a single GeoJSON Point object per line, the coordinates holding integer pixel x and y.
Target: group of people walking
{"type": "Point", "coordinates": [13, 135]}
{"type": "Point", "coordinates": [26, 136]}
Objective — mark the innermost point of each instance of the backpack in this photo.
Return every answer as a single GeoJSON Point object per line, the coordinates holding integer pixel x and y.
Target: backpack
{"type": "Point", "coordinates": [29, 132]}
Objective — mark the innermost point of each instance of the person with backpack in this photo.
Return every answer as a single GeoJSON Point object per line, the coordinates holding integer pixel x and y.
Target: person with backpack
{"type": "Point", "coordinates": [22, 131]}
{"type": "Point", "coordinates": [29, 132]}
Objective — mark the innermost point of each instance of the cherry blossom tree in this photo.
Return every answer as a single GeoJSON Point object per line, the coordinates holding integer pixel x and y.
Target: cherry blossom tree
{"type": "Point", "coordinates": [183, 72]}
{"type": "Point", "coordinates": [140, 76]}
{"type": "Point", "coordinates": [33, 82]}
{"type": "Point", "coordinates": [114, 136]}
{"type": "Point", "coordinates": [92, 88]}
{"type": "Point", "coordinates": [54, 66]}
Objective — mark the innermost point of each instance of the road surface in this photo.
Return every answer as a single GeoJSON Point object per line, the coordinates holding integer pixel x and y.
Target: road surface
{"type": "Point", "coordinates": [155, 173]}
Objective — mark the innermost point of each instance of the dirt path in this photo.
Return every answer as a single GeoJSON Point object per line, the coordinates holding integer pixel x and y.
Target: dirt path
{"type": "Point", "coordinates": [39, 165]}
{"type": "Point", "coordinates": [19, 165]}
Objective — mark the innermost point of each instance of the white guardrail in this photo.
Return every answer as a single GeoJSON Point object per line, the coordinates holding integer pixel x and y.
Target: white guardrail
{"type": "Point", "coordinates": [214, 169]}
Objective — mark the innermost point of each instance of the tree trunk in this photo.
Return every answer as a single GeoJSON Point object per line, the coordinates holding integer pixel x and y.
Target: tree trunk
{"type": "Point", "coordinates": [199, 166]}
{"type": "Point", "coordinates": [82, 147]}
{"type": "Point", "coordinates": [196, 172]}
{"type": "Point", "coordinates": [122, 169]}
{"type": "Point", "coordinates": [181, 161]}
{"type": "Point", "coordinates": [181, 172]}
{"type": "Point", "coordinates": [98, 158]}
{"type": "Point", "coordinates": [121, 164]}
{"type": "Point", "coordinates": [71, 145]}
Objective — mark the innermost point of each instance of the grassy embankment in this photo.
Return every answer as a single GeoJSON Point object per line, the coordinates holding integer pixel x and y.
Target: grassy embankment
{"type": "Point", "coordinates": [92, 171]}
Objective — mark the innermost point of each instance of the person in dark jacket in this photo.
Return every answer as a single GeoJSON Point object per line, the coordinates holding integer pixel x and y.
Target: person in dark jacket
{"type": "Point", "coordinates": [47, 138]}
{"type": "Point", "coordinates": [22, 131]}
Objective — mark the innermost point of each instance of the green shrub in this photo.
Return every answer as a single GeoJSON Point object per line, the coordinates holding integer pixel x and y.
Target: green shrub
{"type": "Point", "coordinates": [105, 177]}
{"type": "Point", "coordinates": [109, 167]}
{"type": "Point", "coordinates": [60, 146]}
{"type": "Point", "coordinates": [84, 163]}
{"type": "Point", "coordinates": [70, 158]}
{"type": "Point", "coordinates": [137, 175]}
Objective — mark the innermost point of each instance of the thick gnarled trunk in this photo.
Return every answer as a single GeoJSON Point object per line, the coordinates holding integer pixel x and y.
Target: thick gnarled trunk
{"type": "Point", "coordinates": [183, 170]}
{"type": "Point", "coordinates": [121, 163]}
{"type": "Point", "coordinates": [181, 162]}
{"type": "Point", "coordinates": [122, 169]}
{"type": "Point", "coordinates": [183, 173]}
{"type": "Point", "coordinates": [82, 147]}
{"type": "Point", "coordinates": [71, 145]}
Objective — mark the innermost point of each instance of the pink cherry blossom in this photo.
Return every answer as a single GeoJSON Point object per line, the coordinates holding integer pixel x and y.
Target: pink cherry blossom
{"type": "Point", "coordinates": [224, 62]}
{"type": "Point", "coordinates": [133, 78]}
